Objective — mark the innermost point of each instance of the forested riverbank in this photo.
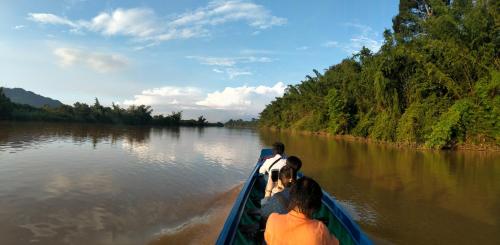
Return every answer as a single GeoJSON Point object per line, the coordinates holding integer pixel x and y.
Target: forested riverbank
{"type": "Point", "coordinates": [434, 82]}
{"type": "Point", "coordinates": [96, 113]}
{"type": "Point", "coordinates": [240, 123]}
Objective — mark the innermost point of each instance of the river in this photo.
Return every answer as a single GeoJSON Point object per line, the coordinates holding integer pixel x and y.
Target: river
{"type": "Point", "coordinates": [101, 184]}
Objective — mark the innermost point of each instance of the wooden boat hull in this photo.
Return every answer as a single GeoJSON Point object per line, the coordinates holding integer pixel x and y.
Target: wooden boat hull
{"type": "Point", "coordinates": [235, 229]}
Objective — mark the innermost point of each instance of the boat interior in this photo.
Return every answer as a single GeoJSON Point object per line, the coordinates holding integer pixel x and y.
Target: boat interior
{"type": "Point", "coordinates": [252, 226]}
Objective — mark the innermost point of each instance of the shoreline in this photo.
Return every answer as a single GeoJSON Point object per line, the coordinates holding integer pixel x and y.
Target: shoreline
{"type": "Point", "coordinates": [182, 124]}
{"type": "Point", "coordinates": [400, 145]}
{"type": "Point", "coordinates": [488, 147]}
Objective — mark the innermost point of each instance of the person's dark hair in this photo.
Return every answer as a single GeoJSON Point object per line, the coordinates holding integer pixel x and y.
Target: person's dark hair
{"type": "Point", "coordinates": [288, 176]}
{"type": "Point", "coordinates": [278, 148]}
{"type": "Point", "coordinates": [294, 162]}
{"type": "Point", "coordinates": [305, 196]}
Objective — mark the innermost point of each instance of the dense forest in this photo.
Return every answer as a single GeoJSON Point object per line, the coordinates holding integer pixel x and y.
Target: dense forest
{"type": "Point", "coordinates": [96, 113]}
{"type": "Point", "coordinates": [435, 81]}
{"type": "Point", "coordinates": [240, 123]}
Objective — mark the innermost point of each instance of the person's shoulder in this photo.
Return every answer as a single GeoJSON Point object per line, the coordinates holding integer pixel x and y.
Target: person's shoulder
{"type": "Point", "coordinates": [273, 218]}
{"type": "Point", "coordinates": [263, 168]}
{"type": "Point", "coordinates": [317, 226]}
{"type": "Point", "coordinates": [267, 160]}
{"type": "Point", "coordinates": [276, 217]}
{"type": "Point", "coordinates": [324, 234]}
{"type": "Point", "coordinates": [283, 194]}
{"type": "Point", "coordinates": [270, 160]}
{"type": "Point", "coordinates": [320, 225]}
{"type": "Point", "coordinates": [281, 163]}
{"type": "Point", "coordinates": [273, 215]}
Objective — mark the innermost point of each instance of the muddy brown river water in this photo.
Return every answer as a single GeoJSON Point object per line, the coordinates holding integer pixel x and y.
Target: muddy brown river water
{"type": "Point", "coordinates": [100, 184]}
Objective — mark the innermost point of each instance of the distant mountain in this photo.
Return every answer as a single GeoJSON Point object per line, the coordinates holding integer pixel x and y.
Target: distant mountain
{"type": "Point", "coordinates": [21, 96]}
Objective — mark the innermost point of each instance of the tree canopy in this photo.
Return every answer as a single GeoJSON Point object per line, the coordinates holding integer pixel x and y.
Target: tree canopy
{"type": "Point", "coordinates": [96, 113]}
{"type": "Point", "coordinates": [434, 81]}
{"type": "Point", "coordinates": [240, 123]}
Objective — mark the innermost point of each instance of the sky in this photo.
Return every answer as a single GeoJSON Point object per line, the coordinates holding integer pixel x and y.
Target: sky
{"type": "Point", "coordinates": [220, 59]}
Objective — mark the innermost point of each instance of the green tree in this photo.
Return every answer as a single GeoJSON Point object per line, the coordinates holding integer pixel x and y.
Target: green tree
{"type": "Point", "coordinates": [5, 106]}
{"type": "Point", "coordinates": [201, 120]}
{"type": "Point", "coordinates": [436, 72]}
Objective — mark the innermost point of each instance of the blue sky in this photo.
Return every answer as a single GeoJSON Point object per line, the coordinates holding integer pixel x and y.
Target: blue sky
{"type": "Point", "coordinates": [221, 59]}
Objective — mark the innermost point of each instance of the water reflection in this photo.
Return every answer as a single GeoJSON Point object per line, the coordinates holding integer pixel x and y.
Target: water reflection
{"type": "Point", "coordinates": [406, 196]}
{"type": "Point", "coordinates": [25, 135]}
{"type": "Point", "coordinates": [100, 184]}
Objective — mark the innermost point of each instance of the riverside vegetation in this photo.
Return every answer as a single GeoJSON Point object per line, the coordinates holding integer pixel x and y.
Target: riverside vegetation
{"type": "Point", "coordinates": [434, 82]}
{"type": "Point", "coordinates": [96, 113]}
{"type": "Point", "coordinates": [240, 123]}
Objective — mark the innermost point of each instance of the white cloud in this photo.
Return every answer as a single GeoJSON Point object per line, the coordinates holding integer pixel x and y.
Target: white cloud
{"type": "Point", "coordinates": [229, 64]}
{"type": "Point", "coordinates": [365, 36]}
{"type": "Point", "coordinates": [331, 44]}
{"type": "Point", "coordinates": [252, 99]}
{"type": "Point", "coordinates": [232, 73]}
{"type": "Point", "coordinates": [229, 61]}
{"type": "Point", "coordinates": [47, 18]}
{"type": "Point", "coordinates": [220, 12]}
{"type": "Point", "coordinates": [136, 22]}
{"type": "Point", "coordinates": [215, 61]}
{"type": "Point", "coordinates": [18, 27]}
{"type": "Point", "coordinates": [359, 41]}
{"type": "Point", "coordinates": [181, 97]}
{"type": "Point", "coordinates": [99, 62]}
{"type": "Point", "coordinates": [252, 59]}
{"type": "Point", "coordinates": [172, 91]}
{"type": "Point", "coordinates": [142, 24]}
{"type": "Point", "coordinates": [231, 102]}
{"type": "Point", "coordinates": [302, 48]}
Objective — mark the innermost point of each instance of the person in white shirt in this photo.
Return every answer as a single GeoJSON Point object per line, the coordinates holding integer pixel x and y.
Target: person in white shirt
{"type": "Point", "coordinates": [273, 187]}
{"type": "Point", "coordinates": [276, 162]}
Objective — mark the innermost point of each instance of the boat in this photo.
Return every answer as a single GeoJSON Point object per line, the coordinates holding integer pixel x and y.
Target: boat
{"type": "Point", "coordinates": [243, 222]}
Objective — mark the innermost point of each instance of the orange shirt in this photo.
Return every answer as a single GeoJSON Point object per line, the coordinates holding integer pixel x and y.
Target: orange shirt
{"type": "Point", "coordinates": [296, 228]}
